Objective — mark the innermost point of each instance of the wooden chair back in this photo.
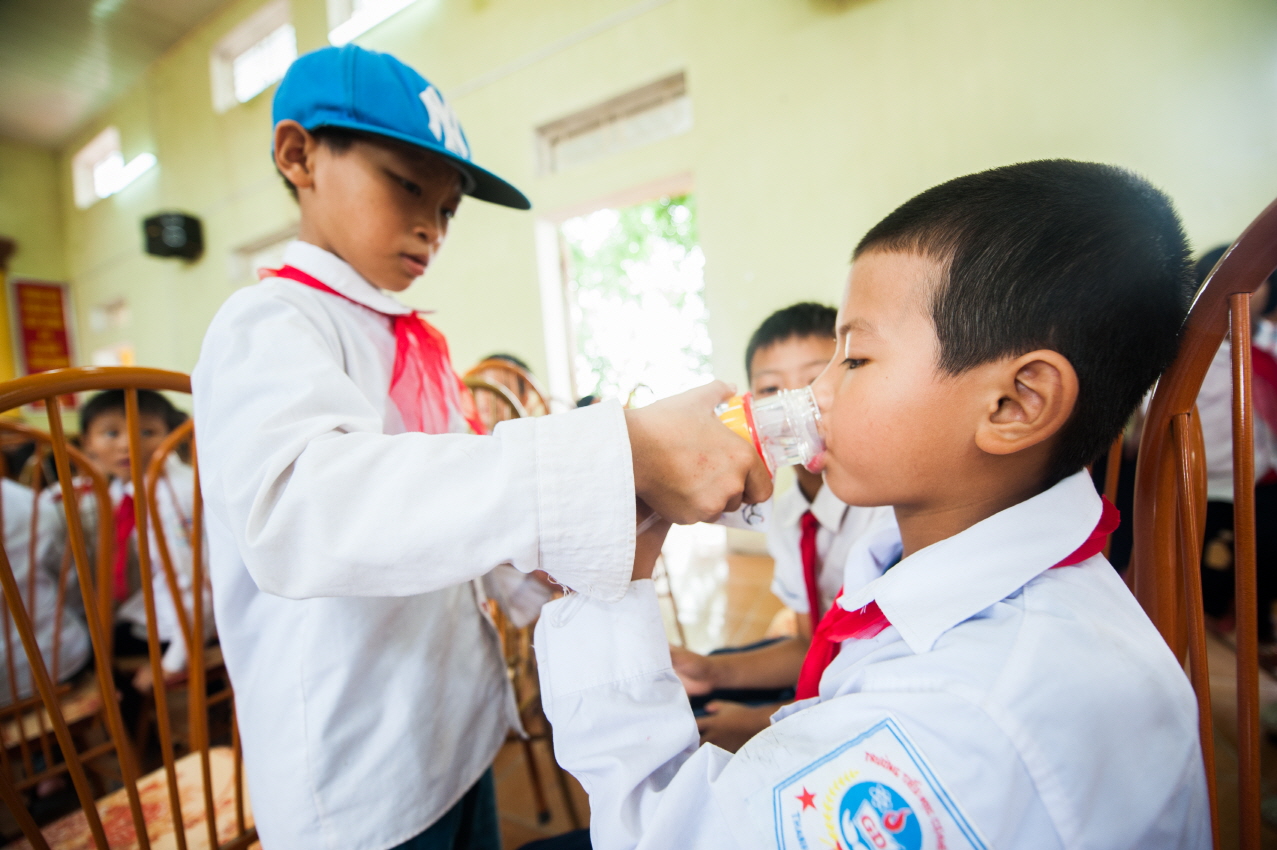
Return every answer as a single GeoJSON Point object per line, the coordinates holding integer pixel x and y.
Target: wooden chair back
{"type": "Point", "coordinates": [196, 801]}
{"type": "Point", "coordinates": [1170, 497]}
{"type": "Point", "coordinates": [26, 729]}
{"type": "Point", "coordinates": [524, 389]}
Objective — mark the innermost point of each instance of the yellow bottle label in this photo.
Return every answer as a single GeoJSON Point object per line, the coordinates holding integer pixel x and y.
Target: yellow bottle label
{"type": "Point", "coordinates": [734, 417]}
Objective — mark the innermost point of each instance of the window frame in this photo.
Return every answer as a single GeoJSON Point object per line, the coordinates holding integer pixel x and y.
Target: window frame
{"type": "Point", "coordinates": [243, 37]}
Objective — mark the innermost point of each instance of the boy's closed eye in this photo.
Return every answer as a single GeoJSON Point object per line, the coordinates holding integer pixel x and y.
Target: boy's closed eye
{"type": "Point", "coordinates": [411, 187]}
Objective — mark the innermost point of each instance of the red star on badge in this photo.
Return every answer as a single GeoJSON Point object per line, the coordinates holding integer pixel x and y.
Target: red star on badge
{"type": "Point", "coordinates": [808, 799]}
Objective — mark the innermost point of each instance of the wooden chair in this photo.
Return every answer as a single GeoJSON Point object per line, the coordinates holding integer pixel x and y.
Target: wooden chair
{"type": "Point", "coordinates": [195, 801]}
{"type": "Point", "coordinates": [1170, 500]}
{"type": "Point", "coordinates": [524, 389]}
{"type": "Point", "coordinates": [26, 728]}
{"type": "Point", "coordinates": [159, 487]}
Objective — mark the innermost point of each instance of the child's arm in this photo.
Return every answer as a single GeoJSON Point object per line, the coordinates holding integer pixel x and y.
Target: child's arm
{"type": "Point", "coordinates": [773, 666]}
{"type": "Point", "coordinates": [321, 503]}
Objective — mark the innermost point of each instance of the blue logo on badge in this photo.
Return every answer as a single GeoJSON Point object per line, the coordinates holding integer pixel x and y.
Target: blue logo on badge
{"type": "Point", "coordinates": [872, 815]}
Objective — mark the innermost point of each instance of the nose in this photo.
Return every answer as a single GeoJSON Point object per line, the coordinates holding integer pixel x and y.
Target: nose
{"type": "Point", "coordinates": [823, 388]}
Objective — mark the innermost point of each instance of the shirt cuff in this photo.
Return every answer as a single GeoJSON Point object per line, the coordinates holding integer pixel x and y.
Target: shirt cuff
{"type": "Point", "coordinates": [585, 491]}
{"type": "Point", "coordinates": [583, 643]}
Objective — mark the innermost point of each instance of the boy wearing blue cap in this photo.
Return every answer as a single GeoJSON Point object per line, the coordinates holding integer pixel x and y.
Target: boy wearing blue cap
{"type": "Point", "coordinates": [349, 511]}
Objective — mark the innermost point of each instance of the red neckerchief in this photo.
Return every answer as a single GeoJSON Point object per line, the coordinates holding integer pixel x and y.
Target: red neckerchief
{"type": "Point", "coordinates": [423, 385]}
{"type": "Point", "coordinates": [840, 624]}
{"type": "Point", "coordinates": [125, 522]}
{"type": "Point", "coordinates": [810, 527]}
{"type": "Point", "coordinates": [1264, 368]}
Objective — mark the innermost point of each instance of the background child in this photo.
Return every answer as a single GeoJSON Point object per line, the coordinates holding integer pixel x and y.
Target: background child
{"type": "Point", "coordinates": [350, 513]}
{"type": "Point", "coordinates": [104, 438]}
{"type": "Point", "coordinates": [809, 532]}
{"type": "Point", "coordinates": [71, 636]}
{"type": "Point", "coordinates": [997, 685]}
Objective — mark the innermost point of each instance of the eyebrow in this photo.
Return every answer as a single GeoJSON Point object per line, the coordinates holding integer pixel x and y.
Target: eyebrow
{"type": "Point", "coordinates": [859, 325]}
{"type": "Point", "coordinates": [820, 362]}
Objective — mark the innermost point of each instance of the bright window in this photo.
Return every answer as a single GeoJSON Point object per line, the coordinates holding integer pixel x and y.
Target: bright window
{"type": "Point", "coordinates": [99, 170]}
{"type": "Point", "coordinates": [253, 56]}
{"type": "Point", "coordinates": [635, 284]}
{"type": "Point", "coordinates": [348, 19]}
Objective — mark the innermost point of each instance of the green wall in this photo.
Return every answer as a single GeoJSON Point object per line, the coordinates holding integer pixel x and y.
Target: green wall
{"type": "Point", "coordinates": [31, 215]}
{"type": "Point", "coordinates": [813, 118]}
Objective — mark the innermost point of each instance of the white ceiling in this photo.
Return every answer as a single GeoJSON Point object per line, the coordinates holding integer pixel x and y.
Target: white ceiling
{"type": "Point", "coordinates": [63, 61]}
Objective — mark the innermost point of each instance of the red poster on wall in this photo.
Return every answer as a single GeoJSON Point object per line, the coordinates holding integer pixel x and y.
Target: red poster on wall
{"type": "Point", "coordinates": [42, 328]}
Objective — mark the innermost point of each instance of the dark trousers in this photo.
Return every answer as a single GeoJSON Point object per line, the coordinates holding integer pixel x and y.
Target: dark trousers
{"type": "Point", "coordinates": [577, 839]}
{"type": "Point", "coordinates": [469, 825]}
{"type": "Point", "coordinates": [1217, 558]}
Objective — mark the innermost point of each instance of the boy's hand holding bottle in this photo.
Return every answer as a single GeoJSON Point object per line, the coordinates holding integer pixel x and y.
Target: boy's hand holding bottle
{"type": "Point", "coordinates": [687, 466]}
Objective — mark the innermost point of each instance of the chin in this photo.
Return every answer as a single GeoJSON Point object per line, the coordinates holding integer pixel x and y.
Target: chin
{"type": "Point", "coordinates": [853, 489]}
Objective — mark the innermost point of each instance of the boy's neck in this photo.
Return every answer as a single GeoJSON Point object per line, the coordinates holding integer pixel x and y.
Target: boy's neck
{"type": "Point", "coordinates": [924, 524]}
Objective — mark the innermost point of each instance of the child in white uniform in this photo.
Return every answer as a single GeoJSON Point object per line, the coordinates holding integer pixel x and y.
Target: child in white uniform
{"type": "Point", "coordinates": [65, 630]}
{"type": "Point", "coordinates": [809, 531]}
{"type": "Point", "coordinates": [349, 513]}
{"type": "Point", "coordinates": [104, 438]}
{"type": "Point", "coordinates": [997, 685]}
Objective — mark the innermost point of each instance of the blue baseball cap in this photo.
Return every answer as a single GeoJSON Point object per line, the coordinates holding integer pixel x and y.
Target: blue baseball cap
{"type": "Point", "coordinates": [358, 89]}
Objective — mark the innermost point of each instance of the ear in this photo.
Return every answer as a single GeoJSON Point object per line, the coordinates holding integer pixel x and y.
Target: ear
{"type": "Point", "coordinates": [1036, 394]}
{"type": "Point", "coordinates": [295, 153]}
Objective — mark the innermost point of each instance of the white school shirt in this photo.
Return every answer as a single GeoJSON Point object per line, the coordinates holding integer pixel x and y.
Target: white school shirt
{"type": "Point", "coordinates": [840, 526]}
{"type": "Point", "coordinates": [72, 637]}
{"type": "Point", "coordinates": [174, 494]}
{"type": "Point", "coordinates": [370, 690]}
{"type": "Point", "coordinates": [1009, 705]}
{"type": "Point", "coordinates": [1215, 410]}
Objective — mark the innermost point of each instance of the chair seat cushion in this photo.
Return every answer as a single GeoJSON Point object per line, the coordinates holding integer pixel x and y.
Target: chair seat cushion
{"type": "Point", "coordinates": [72, 832]}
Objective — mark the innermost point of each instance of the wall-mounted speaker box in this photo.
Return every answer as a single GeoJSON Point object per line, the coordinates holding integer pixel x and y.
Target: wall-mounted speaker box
{"type": "Point", "coordinates": [174, 235]}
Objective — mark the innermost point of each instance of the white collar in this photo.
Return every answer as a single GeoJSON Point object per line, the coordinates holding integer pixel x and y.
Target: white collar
{"type": "Point", "coordinates": [951, 581]}
{"type": "Point", "coordinates": [335, 272]}
{"type": "Point", "coordinates": [829, 510]}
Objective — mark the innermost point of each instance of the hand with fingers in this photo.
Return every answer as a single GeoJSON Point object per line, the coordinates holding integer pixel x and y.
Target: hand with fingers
{"type": "Point", "coordinates": [694, 670]}
{"type": "Point", "coordinates": [730, 724]}
{"type": "Point", "coordinates": [688, 466]}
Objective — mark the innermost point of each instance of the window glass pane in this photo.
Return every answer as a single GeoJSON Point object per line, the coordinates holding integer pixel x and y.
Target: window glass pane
{"type": "Point", "coordinates": [264, 63]}
{"type": "Point", "coordinates": [635, 296]}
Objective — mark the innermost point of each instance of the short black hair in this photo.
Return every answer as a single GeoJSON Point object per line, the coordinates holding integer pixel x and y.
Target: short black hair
{"type": "Point", "coordinates": [804, 319]}
{"type": "Point", "coordinates": [336, 139]}
{"type": "Point", "coordinates": [149, 403]}
{"type": "Point", "coordinates": [1084, 259]}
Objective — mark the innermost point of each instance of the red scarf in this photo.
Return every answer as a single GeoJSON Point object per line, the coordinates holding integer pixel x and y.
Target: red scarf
{"type": "Point", "coordinates": [840, 624]}
{"type": "Point", "coordinates": [1264, 369]}
{"type": "Point", "coordinates": [423, 385]}
{"type": "Point", "coordinates": [125, 522]}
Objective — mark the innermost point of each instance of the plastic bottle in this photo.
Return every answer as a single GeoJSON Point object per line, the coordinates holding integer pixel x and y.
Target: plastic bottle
{"type": "Point", "coordinates": [782, 427]}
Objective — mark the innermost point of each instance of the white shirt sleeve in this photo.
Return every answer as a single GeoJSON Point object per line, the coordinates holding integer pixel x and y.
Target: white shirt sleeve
{"type": "Point", "coordinates": [623, 726]}
{"type": "Point", "coordinates": [322, 503]}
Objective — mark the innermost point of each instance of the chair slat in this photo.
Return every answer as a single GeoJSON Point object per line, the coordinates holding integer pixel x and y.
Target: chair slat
{"type": "Point", "coordinates": [1246, 593]}
{"type": "Point", "coordinates": [98, 630]}
{"type": "Point", "coordinates": [132, 418]}
{"type": "Point", "coordinates": [1190, 569]}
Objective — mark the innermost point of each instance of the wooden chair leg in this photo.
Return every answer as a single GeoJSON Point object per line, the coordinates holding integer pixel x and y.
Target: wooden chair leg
{"type": "Point", "coordinates": [534, 775]}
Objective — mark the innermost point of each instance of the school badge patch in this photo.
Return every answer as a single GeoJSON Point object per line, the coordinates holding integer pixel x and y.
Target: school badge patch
{"type": "Point", "coordinates": [875, 792]}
